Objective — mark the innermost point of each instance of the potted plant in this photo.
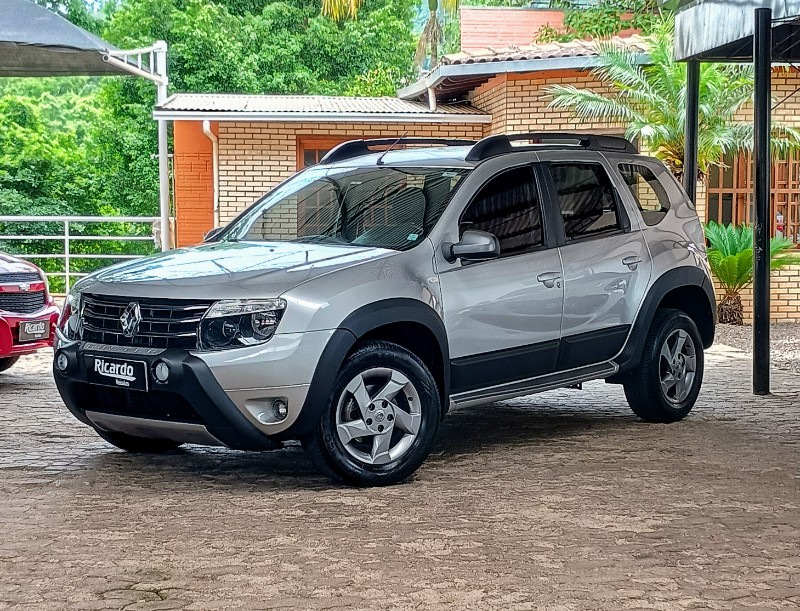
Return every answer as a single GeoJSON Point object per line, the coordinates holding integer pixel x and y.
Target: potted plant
{"type": "Point", "coordinates": [730, 256]}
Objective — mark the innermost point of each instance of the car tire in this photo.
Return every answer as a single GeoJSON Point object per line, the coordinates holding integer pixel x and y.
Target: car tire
{"type": "Point", "coordinates": [381, 421]}
{"type": "Point", "coordinates": [7, 362]}
{"type": "Point", "coordinates": [665, 386]}
{"type": "Point", "coordinates": [138, 445]}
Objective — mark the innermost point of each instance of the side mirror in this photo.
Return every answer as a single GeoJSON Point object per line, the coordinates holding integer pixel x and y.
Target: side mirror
{"type": "Point", "coordinates": [210, 236]}
{"type": "Point", "coordinates": [474, 246]}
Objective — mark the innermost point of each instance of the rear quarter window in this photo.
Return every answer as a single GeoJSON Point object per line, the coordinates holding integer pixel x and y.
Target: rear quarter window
{"type": "Point", "coordinates": [650, 190]}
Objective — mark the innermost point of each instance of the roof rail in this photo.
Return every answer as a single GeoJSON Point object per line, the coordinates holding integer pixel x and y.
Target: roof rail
{"type": "Point", "coordinates": [500, 144]}
{"type": "Point", "coordinates": [356, 148]}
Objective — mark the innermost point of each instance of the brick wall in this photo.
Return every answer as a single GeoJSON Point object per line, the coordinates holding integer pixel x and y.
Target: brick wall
{"type": "Point", "coordinates": [495, 26]}
{"type": "Point", "coordinates": [520, 102]}
{"type": "Point", "coordinates": [194, 182]}
{"type": "Point", "coordinates": [254, 157]}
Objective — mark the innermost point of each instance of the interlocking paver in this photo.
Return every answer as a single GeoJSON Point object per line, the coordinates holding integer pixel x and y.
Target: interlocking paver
{"type": "Point", "coordinates": [562, 500]}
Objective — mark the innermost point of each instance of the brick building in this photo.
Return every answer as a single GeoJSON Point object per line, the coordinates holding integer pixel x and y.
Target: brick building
{"type": "Point", "coordinates": [230, 149]}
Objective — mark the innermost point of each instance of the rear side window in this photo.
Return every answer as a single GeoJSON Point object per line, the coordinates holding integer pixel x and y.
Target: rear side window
{"type": "Point", "coordinates": [587, 200]}
{"type": "Point", "coordinates": [508, 206]}
{"type": "Point", "coordinates": [648, 192]}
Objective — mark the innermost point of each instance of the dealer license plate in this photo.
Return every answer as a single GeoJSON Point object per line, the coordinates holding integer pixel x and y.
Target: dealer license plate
{"type": "Point", "coordinates": [34, 330]}
{"type": "Point", "coordinates": [120, 373]}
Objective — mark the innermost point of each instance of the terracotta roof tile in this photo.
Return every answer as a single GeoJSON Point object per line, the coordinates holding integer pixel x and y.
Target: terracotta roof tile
{"type": "Point", "coordinates": [574, 48]}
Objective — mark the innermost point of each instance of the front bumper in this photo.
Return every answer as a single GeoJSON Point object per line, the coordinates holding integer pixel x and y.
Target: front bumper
{"type": "Point", "coordinates": [213, 398]}
{"type": "Point", "coordinates": [189, 407]}
{"type": "Point", "coordinates": [9, 331]}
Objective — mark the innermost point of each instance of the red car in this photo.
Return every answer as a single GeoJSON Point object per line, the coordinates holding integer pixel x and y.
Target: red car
{"type": "Point", "coordinates": [28, 315]}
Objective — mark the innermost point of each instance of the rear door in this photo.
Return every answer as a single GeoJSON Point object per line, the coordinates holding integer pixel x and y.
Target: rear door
{"type": "Point", "coordinates": [605, 258]}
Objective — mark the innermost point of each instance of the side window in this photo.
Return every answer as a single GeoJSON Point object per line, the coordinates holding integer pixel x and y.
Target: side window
{"type": "Point", "coordinates": [508, 206]}
{"type": "Point", "coordinates": [647, 190]}
{"type": "Point", "coordinates": [586, 198]}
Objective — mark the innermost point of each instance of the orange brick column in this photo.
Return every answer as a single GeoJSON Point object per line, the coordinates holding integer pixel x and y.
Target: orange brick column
{"type": "Point", "coordinates": [194, 182]}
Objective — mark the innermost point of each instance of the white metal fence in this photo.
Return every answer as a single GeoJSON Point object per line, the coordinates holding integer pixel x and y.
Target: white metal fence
{"type": "Point", "coordinates": [68, 238]}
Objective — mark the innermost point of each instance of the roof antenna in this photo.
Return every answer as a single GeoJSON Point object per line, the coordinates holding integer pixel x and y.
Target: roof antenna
{"type": "Point", "coordinates": [380, 159]}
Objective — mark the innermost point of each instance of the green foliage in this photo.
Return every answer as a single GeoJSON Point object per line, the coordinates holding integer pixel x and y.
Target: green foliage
{"type": "Point", "coordinates": [730, 255]}
{"type": "Point", "coordinates": [606, 19]}
{"type": "Point", "coordinates": [651, 101]}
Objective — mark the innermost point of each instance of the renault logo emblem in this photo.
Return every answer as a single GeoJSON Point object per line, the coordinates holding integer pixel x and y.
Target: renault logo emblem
{"type": "Point", "coordinates": [130, 319]}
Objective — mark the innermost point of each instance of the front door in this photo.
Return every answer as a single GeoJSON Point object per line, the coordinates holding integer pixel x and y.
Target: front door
{"type": "Point", "coordinates": [606, 261]}
{"type": "Point", "coordinates": [503, 316]}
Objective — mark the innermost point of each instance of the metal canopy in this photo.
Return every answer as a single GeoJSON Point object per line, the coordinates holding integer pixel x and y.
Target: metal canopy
{"type": "Point", "coordinates": [722, 30]}
{"type": "Point", "coordinates": [739, 31]}
{"type": "Point", "coordinates": [37, 42]}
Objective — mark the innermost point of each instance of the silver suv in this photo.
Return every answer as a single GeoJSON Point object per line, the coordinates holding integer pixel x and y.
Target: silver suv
{"type": "Point", "coordinates": [356, 303]}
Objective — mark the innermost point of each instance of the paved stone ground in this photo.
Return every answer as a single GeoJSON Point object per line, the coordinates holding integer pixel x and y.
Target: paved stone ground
{"type": "Point", "coordinates": [560, 501]}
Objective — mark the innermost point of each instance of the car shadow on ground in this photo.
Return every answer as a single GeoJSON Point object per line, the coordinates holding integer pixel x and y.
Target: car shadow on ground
{"type": "Point", "coordinates": [464, 433]}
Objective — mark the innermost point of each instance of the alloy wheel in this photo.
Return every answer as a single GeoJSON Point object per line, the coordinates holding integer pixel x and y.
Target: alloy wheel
{"type": "Point", "coordinates": [677, 366]}
{"type": "Point", "coordinates": [378, 416]}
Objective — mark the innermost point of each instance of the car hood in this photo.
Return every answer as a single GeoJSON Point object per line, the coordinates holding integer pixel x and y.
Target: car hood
{"type": "Point", "coordinates": [12, 265]}
{"type": "Point", "coordinates": [227, 270]}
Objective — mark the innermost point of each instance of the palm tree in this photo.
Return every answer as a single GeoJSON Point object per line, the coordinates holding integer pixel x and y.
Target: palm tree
{"type": "Point", "coordinates": [730, 257]}
{"type": "Point", "coordinates": [339, 9]}
{"type": "Point", "coordinates": [651, 101]}
{"type": "Point", "coordinates": [432, 34]}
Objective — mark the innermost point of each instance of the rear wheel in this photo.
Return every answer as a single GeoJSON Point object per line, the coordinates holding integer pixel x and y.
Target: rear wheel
{"type": "Point", "coordinates": [665, 386]}
{"type": "Point", "coordinates": [7, 362]}
{"type": "Point", "coordinates": [138, 445]}
{"type": "Point", "coordinates": [381, 420]}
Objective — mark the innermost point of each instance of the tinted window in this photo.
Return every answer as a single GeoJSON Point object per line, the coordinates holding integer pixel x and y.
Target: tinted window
{"type": "Point", "coordinates": [649, 193]}
{"type": "Point", "coordinates": [586, 198]}
{"type": "Point", "coordinates": [382, 206]}
{"type": "Point", "coordinates": [508, 206]}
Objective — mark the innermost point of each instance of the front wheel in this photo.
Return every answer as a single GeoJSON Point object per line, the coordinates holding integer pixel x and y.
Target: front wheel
{"type": "Point", "coordinates": [7, 362]}
{"type": "Point", "coordinates": [138, 445]}
{"type": "Point", "coordinates": [665, 386]}
{"type": "Point", "coordinates": [381, 420]}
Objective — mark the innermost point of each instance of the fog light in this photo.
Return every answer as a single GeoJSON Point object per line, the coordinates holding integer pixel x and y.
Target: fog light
{"type": "Point", "coordinates": [62, 362]}
{"type": "Point", "coordinates": [280, 409]}
{"type": "Point", "coordinates": [161, 371]}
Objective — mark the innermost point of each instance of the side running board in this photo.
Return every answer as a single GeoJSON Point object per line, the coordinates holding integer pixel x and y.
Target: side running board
{"type": "Point", "coordinates": [530, 386]}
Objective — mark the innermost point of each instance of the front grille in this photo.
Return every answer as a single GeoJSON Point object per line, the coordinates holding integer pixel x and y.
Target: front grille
{"type": "Point", "coordinates": [166, 323]}
{"type": "Point", "coordinates": [22, 302]}
{"type": "Point", "coordinates": [153, 405]}
{"type": "Point", "coordinates": [13, 278]}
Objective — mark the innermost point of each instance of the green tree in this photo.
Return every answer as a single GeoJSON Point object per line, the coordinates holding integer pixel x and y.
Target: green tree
{"type": "Point", "coordinates": [650, 100]}
{"type": "Point", "coordinates": [238, 46]}
{"type": "Point", "coordinates": [730, 257]}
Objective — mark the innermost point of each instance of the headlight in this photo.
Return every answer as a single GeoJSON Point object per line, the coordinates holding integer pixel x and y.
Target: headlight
{"type": "Point", "coordinates": [240, 322]}
{"type": "Point", "coordinates": [70, 318]}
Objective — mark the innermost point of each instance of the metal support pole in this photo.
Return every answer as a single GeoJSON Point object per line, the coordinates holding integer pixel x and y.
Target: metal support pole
{"type": "Point", "coordinates": [762, 60]}
{"type": "Point", "coordinates": [690, 134]}
{"type": "Point", "coordinates": [163, 152]}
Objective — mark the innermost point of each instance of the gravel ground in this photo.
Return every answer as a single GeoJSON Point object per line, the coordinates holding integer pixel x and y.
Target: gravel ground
{"type": "Point", "coordinates": [562, 501]}
{"type": "Point", "coordinates": [784, 343]}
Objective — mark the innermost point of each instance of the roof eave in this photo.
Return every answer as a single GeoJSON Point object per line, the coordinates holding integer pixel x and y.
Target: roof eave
{"type": "Point", "coordinates": [489, 69]}
{"type": "Point", "coordinates": [321, 117]}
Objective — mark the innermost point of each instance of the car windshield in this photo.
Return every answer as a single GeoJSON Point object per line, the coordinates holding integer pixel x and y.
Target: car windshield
{"type": "Point", "coordinates": [385, 207]}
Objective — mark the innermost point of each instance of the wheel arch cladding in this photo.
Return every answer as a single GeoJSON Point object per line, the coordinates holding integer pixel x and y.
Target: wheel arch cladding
{"type": "Point", "coordinates": [409, 323]}
{"type": "Point", "coordinates": [684, 288]}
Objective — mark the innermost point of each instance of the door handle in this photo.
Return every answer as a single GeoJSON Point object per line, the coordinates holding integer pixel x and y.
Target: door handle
{"type": "Point", "coordinates": [549, 279]}
{"type": "Point", "coordinates": [632, 262]}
